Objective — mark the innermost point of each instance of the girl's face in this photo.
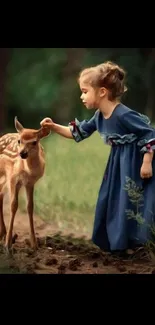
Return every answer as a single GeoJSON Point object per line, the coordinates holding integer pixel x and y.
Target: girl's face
{"type": "Point", "coordinates": [91, 97]}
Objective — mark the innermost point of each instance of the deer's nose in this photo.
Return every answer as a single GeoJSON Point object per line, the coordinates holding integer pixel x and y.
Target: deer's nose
{"type": "Point", "coordinates": [23, 154]}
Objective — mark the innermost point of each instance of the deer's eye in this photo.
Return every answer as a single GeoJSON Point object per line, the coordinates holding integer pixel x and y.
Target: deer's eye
{"type": "Point", "coordinates": [34, 143]}
{"type": "Point", "coordinates": [18, 141]}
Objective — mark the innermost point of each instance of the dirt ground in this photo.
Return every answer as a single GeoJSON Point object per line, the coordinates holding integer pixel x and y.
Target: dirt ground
{"type": "Point", "coordinates": [62, 253]}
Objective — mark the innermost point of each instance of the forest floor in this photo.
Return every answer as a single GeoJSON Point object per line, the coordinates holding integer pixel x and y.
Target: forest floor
{"type": "Point", "coordinates": [64, 253]}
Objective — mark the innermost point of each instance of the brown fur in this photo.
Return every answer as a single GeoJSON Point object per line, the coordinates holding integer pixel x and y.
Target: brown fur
{"type": "Point", "coordinates": [16, 172]}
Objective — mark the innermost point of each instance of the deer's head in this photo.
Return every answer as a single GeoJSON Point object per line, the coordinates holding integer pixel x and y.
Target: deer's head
{"type": "Point", "coordinates": [28, 140]}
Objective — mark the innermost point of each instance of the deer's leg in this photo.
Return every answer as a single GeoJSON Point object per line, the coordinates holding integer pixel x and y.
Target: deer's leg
{"type": "Point", "coordinates": [30, 207]}
{"type": "Point", "coordinates": [2, 224]}
{"type": "Point", "coordinates": [14, 191]}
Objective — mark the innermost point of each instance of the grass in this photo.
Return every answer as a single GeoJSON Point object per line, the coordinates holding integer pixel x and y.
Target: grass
{"type": "Point", "coordinates": [67, 193]}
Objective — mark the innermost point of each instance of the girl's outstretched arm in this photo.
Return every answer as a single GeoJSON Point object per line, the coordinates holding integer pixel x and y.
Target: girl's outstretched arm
{"type": "Point", "coordinates": [75, 130]}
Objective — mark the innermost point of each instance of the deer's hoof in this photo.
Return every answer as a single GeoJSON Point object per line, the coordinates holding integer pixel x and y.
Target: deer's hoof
{"type": "Point", "coordinates": [34, 243]}
{"type": "Point", "coordinates": [2, 236]}
{"type": "Point", "coordinates": [34, 246]}
{"type": "Point", "coordinates": [8, 250]}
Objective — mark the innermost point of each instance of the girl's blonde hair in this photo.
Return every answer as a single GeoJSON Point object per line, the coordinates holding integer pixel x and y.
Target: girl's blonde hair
{"type": "Point", "coordinates": [108, 75]}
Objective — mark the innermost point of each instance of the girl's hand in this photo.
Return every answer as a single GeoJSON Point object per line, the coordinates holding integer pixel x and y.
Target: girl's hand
{"type": "Point", "coordinates": [47, 122]}
{"type": "Point", "coordinates": [146, 170]}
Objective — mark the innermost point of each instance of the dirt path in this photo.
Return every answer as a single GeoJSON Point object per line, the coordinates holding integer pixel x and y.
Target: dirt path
{"type": "Point", "coordinates": [59, 253]}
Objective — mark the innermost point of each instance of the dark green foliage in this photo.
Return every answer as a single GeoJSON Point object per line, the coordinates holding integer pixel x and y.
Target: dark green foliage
{"type": "Point", "coordinates": [43, 81]}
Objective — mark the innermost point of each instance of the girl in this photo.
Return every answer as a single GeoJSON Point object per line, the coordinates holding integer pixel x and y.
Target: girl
{"type": "Point", "coordinates": [125, 210]}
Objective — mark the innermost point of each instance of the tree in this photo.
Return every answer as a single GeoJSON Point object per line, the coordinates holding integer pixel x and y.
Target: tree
{"type": "Point", "coordinates": [150, 82]}
{"type": "Point", "coordinates": [4, 59]}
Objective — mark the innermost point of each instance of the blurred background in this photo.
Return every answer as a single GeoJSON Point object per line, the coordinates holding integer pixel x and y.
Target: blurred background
{"type": "Point", "coordinates": [40, 82]}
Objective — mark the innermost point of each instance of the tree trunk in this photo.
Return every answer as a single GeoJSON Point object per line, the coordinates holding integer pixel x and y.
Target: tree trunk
{"type": "Point", "coordinates": [4, 58]}
{"type": "Point", "coordinates": [150, 67]}
{"type": "Point", "coordinates": [63, 107]}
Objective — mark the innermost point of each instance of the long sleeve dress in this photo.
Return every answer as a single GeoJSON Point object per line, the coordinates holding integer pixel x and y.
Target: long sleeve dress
{"type": "Point", "coordinates": [125, 209]}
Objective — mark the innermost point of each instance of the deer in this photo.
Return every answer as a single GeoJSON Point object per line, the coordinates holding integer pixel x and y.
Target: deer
{"type": "Point", "coordinates": [22, 164]}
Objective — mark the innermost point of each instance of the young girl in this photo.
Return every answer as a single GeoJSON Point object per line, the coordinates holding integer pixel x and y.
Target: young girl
{"type": "Point", "coordinates": [125, 209]}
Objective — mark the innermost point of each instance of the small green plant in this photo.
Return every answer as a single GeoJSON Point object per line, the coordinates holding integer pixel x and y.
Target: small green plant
{"type": "Point", "coordinates": [136, 197]}
{"type": "Point", "coordinates": [135, 194]}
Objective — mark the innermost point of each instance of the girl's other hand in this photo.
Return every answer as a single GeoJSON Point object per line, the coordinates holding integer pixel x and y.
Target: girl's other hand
{"type": "Point", "coordinates": [146, 170]}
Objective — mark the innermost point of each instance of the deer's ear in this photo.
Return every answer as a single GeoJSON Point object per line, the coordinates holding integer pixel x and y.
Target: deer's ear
{"type": "Point", "coordinates": [18, 125]}
{"type": "Point", "coordinates": [44, 132]}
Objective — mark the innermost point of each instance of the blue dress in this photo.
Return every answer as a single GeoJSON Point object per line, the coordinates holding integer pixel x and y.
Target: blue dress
{"type": "Point", "coordinates": [125, 209]}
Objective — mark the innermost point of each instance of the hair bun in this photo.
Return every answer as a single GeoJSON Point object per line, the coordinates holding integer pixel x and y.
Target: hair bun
{"type": "Point", "coordinates": [120, 75]}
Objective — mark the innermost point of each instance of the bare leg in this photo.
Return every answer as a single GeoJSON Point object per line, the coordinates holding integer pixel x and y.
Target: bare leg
{"type": "Point", "coordinates": [14, 191]}
{"type": "Point", "coordinates": [30, 207]}
{"type": "Point", "coordinates": [2, 224]}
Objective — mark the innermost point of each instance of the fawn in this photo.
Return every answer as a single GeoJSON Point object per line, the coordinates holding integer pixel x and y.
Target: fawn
{"type": "Point", "coordinates": [22, 163]}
